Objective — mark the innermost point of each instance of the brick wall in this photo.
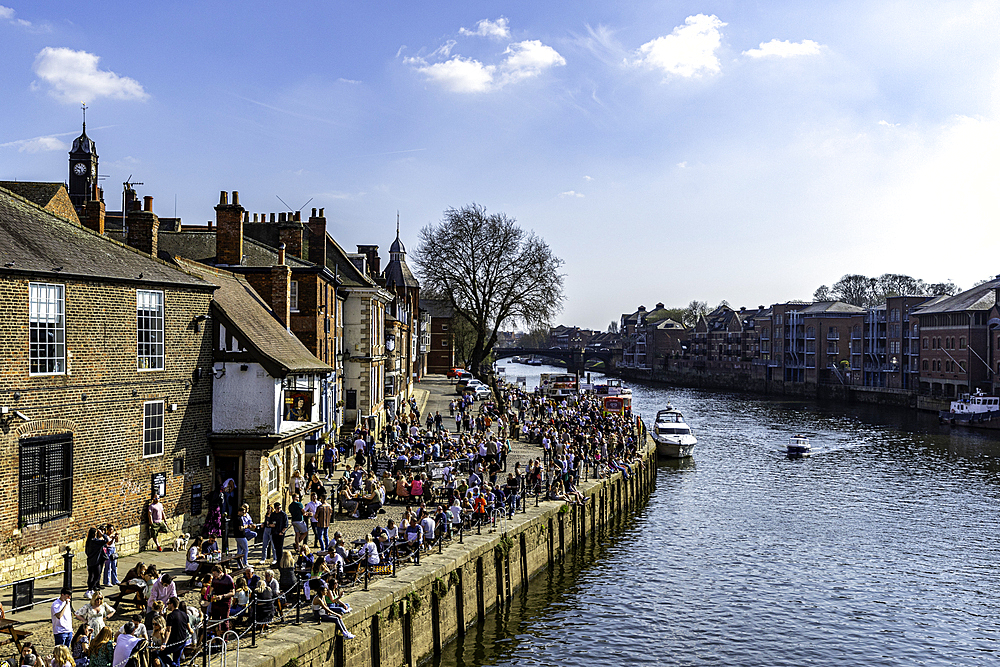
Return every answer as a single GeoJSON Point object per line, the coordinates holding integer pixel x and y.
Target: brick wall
{"type": "Point", "coordinates": [100, 400]}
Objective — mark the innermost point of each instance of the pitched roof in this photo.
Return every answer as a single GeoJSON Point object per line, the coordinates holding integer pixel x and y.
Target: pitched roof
{"type": "Point", "coordinates": [337, 259]}
{"type": "Point", "coordinates": [34, 240]}
{"type": "Point", "coordinates": [437, 308]}
{"type": "Point", "coordinates": [831, 307]}
{"type": "Point", "coordinates": [398, 273]}
{"type": "Point", "coordinates": [980, 297]}
{"type": "Point", "coordinates": [39, 193]}
{"type": "Point", "coordinates": [199, 245]}
{"type": "Point", "coordinates": [277, 348]}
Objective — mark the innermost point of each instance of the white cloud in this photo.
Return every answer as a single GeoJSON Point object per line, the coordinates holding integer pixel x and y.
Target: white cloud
{"type": "Point", "coordinates": [682, 165]}
{"type": "Point", "coordinates": [571, 193]}
{"type": "Point", "coordinates": [888, 124]}
{"type": "Point", "coordinates": [6, 12]}
{"type": "Point", "coordinates": [588, 178]}
{"type": "Point", "coordinates": [499, 29]}
{"type": "Point", "coordinates": [350, 81]}
{"type": "Point", "coordinates": [37, 144]}
{"type": "Point", "coordinates": [74, 77]}
{"type": "Point", "coordinates": [527, 59]}
{"type": "Point", "coordinates": [466, 75]}
{"type": "Point", "coordinates": [459, 75]}
{"type": "Point", "coordinates": [688, 51]}
{"type": "Point", "coordinates": [777, 48]}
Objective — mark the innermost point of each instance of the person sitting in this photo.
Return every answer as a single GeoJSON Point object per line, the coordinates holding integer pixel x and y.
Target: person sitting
{"type": "Point", "coordinates": [414, 535]}
{"type": "Point", "coordinates": [323, 613]}
{"type": "Point", "coordinates": [194, 557]}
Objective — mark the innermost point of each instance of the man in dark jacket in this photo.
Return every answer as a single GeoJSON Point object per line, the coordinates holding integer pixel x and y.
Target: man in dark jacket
{"type": "Point", "coordinates": [278, 523]}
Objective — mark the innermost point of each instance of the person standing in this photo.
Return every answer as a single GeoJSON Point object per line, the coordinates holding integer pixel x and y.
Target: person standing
{"type": "Point", "coordinates": [279, 525]}
{"type": "Point", "coordinates": [94, 548]}
{"type": "Point", "coordinates": [267, 547]}
{"type": "Point", "coordinates": [324, 514]}
{"type": "Point", "coordinates": [157, 520]}
{"type": "Point", "coordinates": [178, 631]}
{"type": "Point", "coordinates": [111, 564]}
{"type": "Point", "coordinates": [328, 460]}
{"type": "Point", "coordinates": [243, 531]}
{"type": "Point", "coordinates": [223, 590]}
{"type": "Point", "coordinates": [62, 618]}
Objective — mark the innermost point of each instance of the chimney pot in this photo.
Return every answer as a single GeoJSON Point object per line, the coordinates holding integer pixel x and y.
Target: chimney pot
{"type": "Point", "coordinates": [147, 203]}
{"type": "Point", "coordinates": [236, 198]}
{"type": "Point", "coordinates": [281, 254]}
{"type": "Point", "coordinates": [321, 214]}
{"type": "Point", "coordinates": [314, 213]}
{"type": "Point", "coordinates": [281, 217]}
{"type": "Point", "coordinates": [224, 198]}
{"type": "Point", "coordinates": [272, 217]}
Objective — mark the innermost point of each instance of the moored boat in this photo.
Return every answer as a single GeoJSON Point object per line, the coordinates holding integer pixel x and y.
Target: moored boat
{"type": "Point", "coordinates": [672, 435]}
{"type": "Point", "coordinates": [971, 408]}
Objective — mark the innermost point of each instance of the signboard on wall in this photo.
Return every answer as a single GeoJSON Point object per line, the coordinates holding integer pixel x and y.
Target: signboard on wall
{"type": "Point", "coordinates": [159, 484]}
{"type": "Point", "coordinates": [196, 499]}
{"type": "Point", "coordinates": [298, 406]}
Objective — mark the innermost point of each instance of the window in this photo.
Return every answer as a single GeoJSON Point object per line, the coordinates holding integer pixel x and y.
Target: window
{"type": "Point", "coordinates": [924, 365]}
{"type": "Point", "coordinates": [46, 329]}
{"type": "Point", "coordinates": [152, 428]}
{"type": "Point", "coordinates": [925, 343]}
{"type": "Point", "coordinates": [832, 348]}
{"type": "Point", "coordinates": [273, 474]}
{"type": "Point", "coordinates": [149, 329]}
{"type": "Point", "coordinates": [961, 343]}
{"type": "Point", "coordinates": [46, 478]}
{"type": "Point", "coordinates": [293, 301]}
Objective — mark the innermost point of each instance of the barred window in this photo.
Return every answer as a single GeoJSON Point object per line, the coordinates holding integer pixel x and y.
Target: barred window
{"type": "Point", "coordinates": [46, 329]}
{"type": "Point", "coordinates": [152, 428]}
{"type": "Point", "coordinates": [46, 478]}
{"type": "Point", "coordinates": [149, 329]}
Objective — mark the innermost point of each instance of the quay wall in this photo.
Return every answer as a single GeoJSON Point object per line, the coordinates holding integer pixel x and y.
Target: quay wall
{"type": "Point", "coordinates": [407, 619]}
{"type": "Point", "coordinates": [745, 383]}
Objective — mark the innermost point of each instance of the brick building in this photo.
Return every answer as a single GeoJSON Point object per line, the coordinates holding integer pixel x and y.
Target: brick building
{"type": "Point", "coordinates": [955, 342]}
{"type": "Point", "coordinates": [403, 349]}
{"type": "Point", "coordinates": [104, 389]}
{"type": "Point", "coordinates": [441, 343]}
{"type": "Point", "coordinates": [265, 392]}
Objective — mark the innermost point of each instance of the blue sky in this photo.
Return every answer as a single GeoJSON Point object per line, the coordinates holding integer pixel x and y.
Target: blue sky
{"type": "Point", "coordinates": [668, 151]}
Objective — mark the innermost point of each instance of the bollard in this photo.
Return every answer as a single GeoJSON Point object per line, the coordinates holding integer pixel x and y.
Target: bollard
{"type": "Point", "coordinates": [253, 623]}
{"type": "Point", "coordinates": [461, 532]}
{"type": "Point", "coordinates": [440, 540]}
{"type": "Point", "coordinates": [298, 606]}
{"type": "Point", "coordinates": [366, 576]}
{"type": "Point", "coordinates": [204, 642]}
{"type": "Point", "coordinates": [68, 569]}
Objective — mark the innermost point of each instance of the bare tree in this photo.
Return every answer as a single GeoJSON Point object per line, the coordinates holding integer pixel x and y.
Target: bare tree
{"type": "Point", "coordinates": [854, 289]}
{"type": "Point", "coordinates": [823, 293]}
{"type": "Point", "coordinates": [492, 273]}
{"type": "Point", "coordinates": [694, 310]}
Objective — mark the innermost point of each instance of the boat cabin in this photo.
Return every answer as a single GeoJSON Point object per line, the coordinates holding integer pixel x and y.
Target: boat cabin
{"type": "Point", "coordinates": [974, 403]}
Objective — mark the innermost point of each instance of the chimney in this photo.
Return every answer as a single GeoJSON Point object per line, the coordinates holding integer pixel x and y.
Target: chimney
{"type": "Point", "coordinates": [229, 230]}
{"type": "Point", "coordinates": [317, 238]}
{"type": "Point", "coordinates": [93, 212]}
{"type": "Point", "coordinates": [281, 293]}
{"type": "Point", "coordinates": [290, 233]}
{"type": "Point", "coordinates": [371, 253]}
{"type": "Point", "coordinates": [281, 254]}
{"type": "Point", "coordinates": [143, 228]}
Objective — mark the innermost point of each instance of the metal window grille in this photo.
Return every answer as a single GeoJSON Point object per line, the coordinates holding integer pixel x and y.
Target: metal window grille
{"type": "Point", "coordinates": [45, 489]}
{"type": "Point", "coordinates": [46, 329]}
{"type": "Point", "coordinates": [152, 428]}
{"type": "Point", "coordinates": [149, 329]}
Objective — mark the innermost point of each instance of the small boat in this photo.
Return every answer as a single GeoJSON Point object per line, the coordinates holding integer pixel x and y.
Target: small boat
{"type": "Point", "coordinates": [672, 435]}
{"type": "Point", "coordinates": [799, 445]}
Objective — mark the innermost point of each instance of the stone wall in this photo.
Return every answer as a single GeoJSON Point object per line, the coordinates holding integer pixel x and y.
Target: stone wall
{"type": "Point", "coordinates": [407, 619]}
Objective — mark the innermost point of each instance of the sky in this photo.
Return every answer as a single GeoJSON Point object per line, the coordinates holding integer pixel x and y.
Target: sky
{"type": "Point", "coordinates": [666, 151]}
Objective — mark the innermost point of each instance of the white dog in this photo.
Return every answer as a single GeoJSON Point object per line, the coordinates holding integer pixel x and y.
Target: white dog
{"type": "Point", "coordinates": [181, 542]}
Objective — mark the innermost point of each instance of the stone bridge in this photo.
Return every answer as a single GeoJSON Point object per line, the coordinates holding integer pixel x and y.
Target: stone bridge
{"type": "Point", "coordinates": [576, 358]}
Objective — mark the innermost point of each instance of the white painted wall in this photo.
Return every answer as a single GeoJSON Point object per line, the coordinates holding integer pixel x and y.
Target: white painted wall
{"type": "Point", "coordinates": [244, 400]}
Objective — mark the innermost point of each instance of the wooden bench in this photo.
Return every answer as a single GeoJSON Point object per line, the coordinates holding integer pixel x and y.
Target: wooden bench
{"type": "Point", "coordinates": [129, 595]}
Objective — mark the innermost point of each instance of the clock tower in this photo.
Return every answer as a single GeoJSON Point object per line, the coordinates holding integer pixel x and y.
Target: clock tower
{"type": "Point", "coordinates": [82, 167]}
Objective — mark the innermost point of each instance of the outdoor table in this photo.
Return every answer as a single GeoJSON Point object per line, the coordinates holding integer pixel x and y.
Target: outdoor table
{"type": "Point", "coordinates": [7, 628]}
{"type": "Point", "coordinates": [205, 566]}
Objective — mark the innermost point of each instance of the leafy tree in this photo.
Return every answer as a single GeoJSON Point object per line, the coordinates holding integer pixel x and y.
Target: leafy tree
{"type": "Point", "coordinates": [694, 310]}
{"type": "Point", "coordinates": [492, 272]}
{"type": "Point", "coordinates": [854, 289]}
{"type": "Point", "coordinates": [823, 293]}
{"type": "Point", "coordinates": [613, 327]}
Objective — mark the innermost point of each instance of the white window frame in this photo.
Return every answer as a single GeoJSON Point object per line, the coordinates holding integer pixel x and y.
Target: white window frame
{"type": "Point", "coordinates": [273, 474]}
{"type": "Point", "coordinates": [153, 358]}
{"type": "Point", "coordinates": [152, 446]}
{"type": "Point", "coordinates": [47, 313]}
{"type": "Point", "coordinates": [293, 299]}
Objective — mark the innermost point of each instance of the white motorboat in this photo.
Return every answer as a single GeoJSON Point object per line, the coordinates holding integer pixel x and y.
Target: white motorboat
{"type": "Point", "coordinates": [672, 435]}
{"type": "Point", "coordinates": [799, 445]}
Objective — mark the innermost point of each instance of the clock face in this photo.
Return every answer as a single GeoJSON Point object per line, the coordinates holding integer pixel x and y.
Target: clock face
{"type": "Point", "coordinates": [80, 169]}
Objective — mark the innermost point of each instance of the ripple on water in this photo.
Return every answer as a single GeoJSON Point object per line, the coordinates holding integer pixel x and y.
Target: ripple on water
{"type": "Point", "coordinates": [877, 550]}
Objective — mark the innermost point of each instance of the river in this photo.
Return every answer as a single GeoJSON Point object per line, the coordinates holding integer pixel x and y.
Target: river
{"type": "Point", "coordinates": [879, 549]}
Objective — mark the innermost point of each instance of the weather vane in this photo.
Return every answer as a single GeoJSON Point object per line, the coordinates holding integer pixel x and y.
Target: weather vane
{"type": "Point", "coordinates": [83, 105]}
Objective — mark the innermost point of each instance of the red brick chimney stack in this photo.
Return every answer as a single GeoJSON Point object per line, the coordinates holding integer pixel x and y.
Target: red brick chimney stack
{"type": "Point", "coordinates": [281, 289]}
{"type": "Point", "coordinates": [229, 230]}
{"type": "Point", "coordinates": [371, 253]}
{"type": "Point", "coordinates": [290, 232]}
{"type": "Point", "coordinates": [143, 228]}
{"type": "Point", "coordinates": [93, 212]}
{"type": "Point", "coordinates": [317, 238]}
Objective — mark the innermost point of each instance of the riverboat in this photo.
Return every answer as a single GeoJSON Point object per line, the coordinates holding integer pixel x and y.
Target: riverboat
{"type": "Point", "coordinates": [672, 435]}
{"type": "Point", "coordinates": [558, 385]}
{"type": "Point", "coordinates": [970, 408]}
{"type": "Point", "coordinates": [798, 445]}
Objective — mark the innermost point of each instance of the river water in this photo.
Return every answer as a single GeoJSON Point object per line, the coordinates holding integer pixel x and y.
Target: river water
{"type": "Point", "coordinates": [879, 549]}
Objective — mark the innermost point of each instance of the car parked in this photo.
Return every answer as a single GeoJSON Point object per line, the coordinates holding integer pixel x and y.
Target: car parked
{"type": "Point", "coordinates": [457, 372]}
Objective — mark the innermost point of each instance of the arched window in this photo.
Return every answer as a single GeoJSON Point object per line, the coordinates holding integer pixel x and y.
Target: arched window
{"type": "Point", "coordinates": [925, 342]}
{"type": "Point", "coordinates": [925, 365]}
